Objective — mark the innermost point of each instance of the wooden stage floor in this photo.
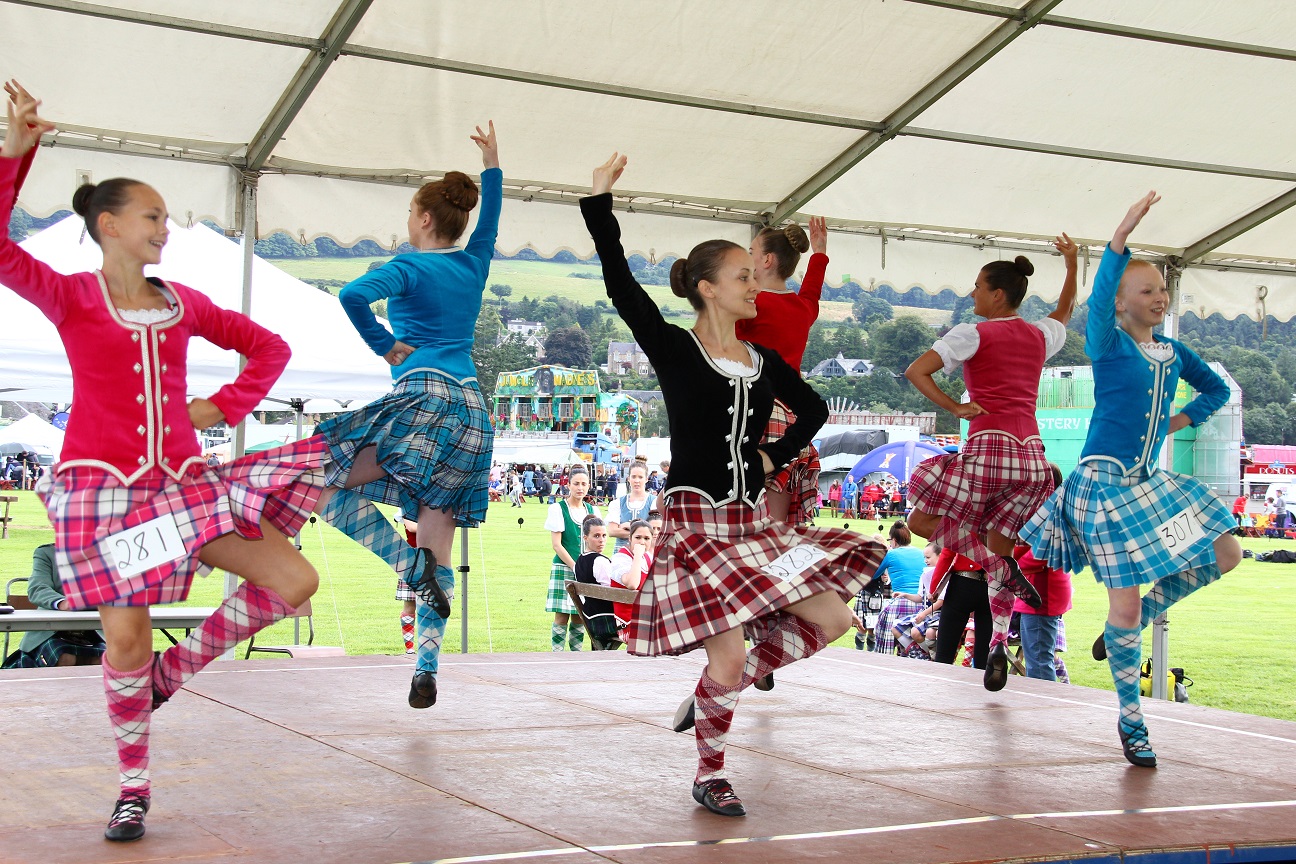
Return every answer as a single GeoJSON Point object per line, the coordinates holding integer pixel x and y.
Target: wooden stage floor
{"type": "Point", "coordinates": [569, 758]}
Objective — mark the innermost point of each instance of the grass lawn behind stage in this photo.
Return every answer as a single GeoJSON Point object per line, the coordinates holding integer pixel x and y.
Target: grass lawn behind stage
{"type": "Point", "coordinates": [1234, 639]}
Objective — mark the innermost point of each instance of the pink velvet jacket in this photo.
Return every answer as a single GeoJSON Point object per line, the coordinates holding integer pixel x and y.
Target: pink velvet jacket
{"type": "Point", "coordinates": [131, 416]}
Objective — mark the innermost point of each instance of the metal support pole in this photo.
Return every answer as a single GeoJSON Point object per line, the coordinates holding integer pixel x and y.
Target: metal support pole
{"type": "Point", "coordinates": [463, 590]}
{"type": "Point", "coordinates": [1161, 626]}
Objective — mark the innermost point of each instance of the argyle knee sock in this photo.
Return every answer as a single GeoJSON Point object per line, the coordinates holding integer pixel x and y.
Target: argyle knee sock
{"type": "Point", "coordinates": [1169, 590]}
{"type": "Point", "coordinates": [407, 632]}
{"type": "Point", "coordinates": [130, 708]}
{"type": "Point", "coordinates": [575, 633]}
{"type": "Point", "coordinates": [431, 626]}
{"type": "Point", "coordinates": [791, 640]}
{"type": "Point", "coordinates": [557, 637]}
{"type": "Point", "coordinates": [1001, 600]}
{"type": "Point", "coordinates": [1059, 667]}
{"type": "Point", "coordinates": [1124, 654]}
{"type": "Point", "coordinates": [356, 516]}
{"type": "Point", "coordinates": [244, 613]}
{"type": "Point", "coordinates": [714, 705]}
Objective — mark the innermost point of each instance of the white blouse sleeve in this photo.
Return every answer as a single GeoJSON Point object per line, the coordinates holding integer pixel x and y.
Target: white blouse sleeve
{"type": "Point", "coordinates": [957, 346]}
{"type": "Point", "coordinates": [554, 520]}
{"type": "Point", "coordinates": [602, 574]}
{"type": "Point", "coordinates": [1055, 334]}
{"type": "Point", "coordinates": [614, 511]}
{"type": "Point", "coordinates": [620, 566]}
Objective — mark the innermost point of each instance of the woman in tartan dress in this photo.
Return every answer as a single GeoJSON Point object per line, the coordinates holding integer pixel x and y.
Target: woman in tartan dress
{"type": "Point", "coordinates": [426, 446]}
{"type": "Point", "coordinates": [975, 501]}
{"type": "Point", "coordinates": [563, 521]}
{"type": "Point", "coordinates": [1117, 512]}
{"type": "Point", "coordinates": [782, 323]}
{"type": "Point", "coordinates": [723, 566]}
{"type": "Point", "coordinates": [131, 464]}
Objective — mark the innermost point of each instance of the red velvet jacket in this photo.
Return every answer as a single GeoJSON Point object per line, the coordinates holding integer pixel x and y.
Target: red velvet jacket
{"type": "Point", "coordinates": [131, 415]}
{"type": "Point", "coordinates": [783, 321]}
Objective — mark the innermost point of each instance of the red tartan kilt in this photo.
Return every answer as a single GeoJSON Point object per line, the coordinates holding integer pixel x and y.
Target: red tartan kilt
{"type": "Point", "coordinates": [86, 504]}
{"type": "Point", "coordinates": [707, 575]}
{"type": "Point", "coordinates": [799, 479]}
{"type": "Point", "coordinates": [995, 482]}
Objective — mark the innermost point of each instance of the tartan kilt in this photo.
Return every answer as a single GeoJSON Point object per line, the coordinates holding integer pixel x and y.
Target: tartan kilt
{"type": "Point", "coordinates": [434, 440]}
{"type": "Point", "coordinates": [556, 600]}
{"type": "Point", "coordinates": [884, 641]}
{"type": "Point", "coordinates": [85, 505]}
{"type": "Point", "coordinates": [708, 573]}
{"type": "Point", "coordinates": [48, 652]}
{"type": "Point", "coordinates": [799, 479]}
{"type": "Point", "coordinates": [994, 483]}
{"type": "Point", "coordinates": [1102, 519]}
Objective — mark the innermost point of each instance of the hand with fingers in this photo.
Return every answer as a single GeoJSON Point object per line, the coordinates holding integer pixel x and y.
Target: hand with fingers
{"type": "Point", "coordinates": [489, 146]}
{"type": "Point", "coordinates": [398, 354]}
{"type": "Point", "coordinates": [968, 410]}
{"type": "Point", "coordinates": [606, 175]}
{"type": "Point", "coordinates": [1068, 248]}
{"type": "Point", "coordinates": [25, 126]}
{"type": "Point", "coordinates": [818, 235]}
{"type": "Point", "coordinates": [1137, 211]}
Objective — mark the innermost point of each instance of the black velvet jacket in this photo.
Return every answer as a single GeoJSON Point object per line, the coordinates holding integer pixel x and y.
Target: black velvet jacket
{"type": "Point", "coordinates": [716, 419]}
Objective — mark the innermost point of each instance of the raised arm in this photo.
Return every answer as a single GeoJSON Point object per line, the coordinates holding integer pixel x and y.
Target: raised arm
{"type": "Point", "coordinates": [1100, 326]}
{"type": "Point", "coordinates": [632, 303]}
{"type": "Point", "coordinates": [481, 244]}
{"type": "Point", "coordinates": [30, 279]}
{"type": "Point", "coordinates": [1066, 300]}
{"type": "Point", "coordinates": [812, 285]}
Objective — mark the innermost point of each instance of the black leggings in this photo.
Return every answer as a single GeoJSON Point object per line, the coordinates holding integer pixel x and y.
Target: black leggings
{"type": "Point", "coordinates": [965, 597]}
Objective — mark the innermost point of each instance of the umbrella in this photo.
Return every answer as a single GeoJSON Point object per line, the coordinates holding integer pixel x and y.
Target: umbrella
{"type": "Point", "coordinates": [896, 459]}
{"type": "Point", "coordinates": [856, 442]}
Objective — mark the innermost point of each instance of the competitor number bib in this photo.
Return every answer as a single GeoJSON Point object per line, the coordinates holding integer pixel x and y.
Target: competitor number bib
{"type": "Point", "coordinates": [795, 561]}
{"type": "Point", "coordinates": [1180, 532]}
{"type": "Point", "coordinates": [149, 544]}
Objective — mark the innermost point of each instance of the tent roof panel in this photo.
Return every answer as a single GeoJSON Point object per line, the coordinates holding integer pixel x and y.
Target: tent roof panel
{"type": "Point", "coordinates": [1271, 239]}
{"type": "Point", "coordinates": [908, 181]}
{"type": "Point", "coordinates": [674, 149]}
{"type": "Point", "coordinates": [1097, 92]}
{"type": "Point", "coordinates": [298, 17]}
{"type": "Point", "coordinates": [1271, 23]}
{"type": "Point", "coordinates": [185, 85]}
{"type": "Point", "coordinates": [752, 51]}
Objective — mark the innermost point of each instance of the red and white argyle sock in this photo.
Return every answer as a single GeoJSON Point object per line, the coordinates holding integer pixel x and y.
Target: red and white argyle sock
{"type": "Point", "coordinates": [713, 710]}
{"type": "Point", "coordinates": [130, 707]}
{"type": "Point", "coordinates": [791, 640]}
{"type": "Point", "coordinates": [407, 632]}
{"type": "Point", "coordinates": [1002, 599]}
{"type": "Point", "coordinates": [246, 612]}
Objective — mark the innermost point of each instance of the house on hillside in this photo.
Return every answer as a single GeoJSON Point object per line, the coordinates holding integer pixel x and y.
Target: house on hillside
{"type": "Point", "coordinates": [627, 358]}
{"type": "Point", "coordinates": [532, 333]}
{"type": "Point", "coordinates": [842, 367]}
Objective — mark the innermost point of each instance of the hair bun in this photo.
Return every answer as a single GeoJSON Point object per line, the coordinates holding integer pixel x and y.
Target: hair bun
{"type": "Point", "coordinates": [679, 278]}
{"type": "Point", "coordinates": [1023, 265]}
{"type": "Point", "coordinates": [459, 189]}
{"type": "Point", "coordinates": [797, 237]}
{"type": "Point", "coordinates": [81, 199]}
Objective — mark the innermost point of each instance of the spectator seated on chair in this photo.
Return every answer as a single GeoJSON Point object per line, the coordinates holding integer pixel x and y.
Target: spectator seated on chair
{"type": "Point", "coordinates": [41, 648]}
{"type": "Point", "coordinates": [630, 564]}
{"type": "Point", "coordinates": [904, 565]}
{"type": "Point", "coordinates": [592, 567]}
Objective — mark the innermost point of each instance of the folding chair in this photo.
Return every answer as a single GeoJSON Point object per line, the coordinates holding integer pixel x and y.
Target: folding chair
{"type": "Point", "coordinates": [297, 649]}
{"type": "Point", "coordinates": [17, 601]}
{"type": "Point", "coordinates": [597, 616]}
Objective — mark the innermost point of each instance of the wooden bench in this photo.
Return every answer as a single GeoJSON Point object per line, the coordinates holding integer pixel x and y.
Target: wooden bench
{"type": "Point", "coordinates": [6, 519]}
{"type": "Point", "coordinates": [578, 591]}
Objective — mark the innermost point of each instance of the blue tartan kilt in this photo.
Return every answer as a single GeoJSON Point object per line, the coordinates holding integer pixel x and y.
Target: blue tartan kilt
{"type": "Point", "coordinates": [434, 440]}
{"type": "Point", "coordinates": [1115, 524]}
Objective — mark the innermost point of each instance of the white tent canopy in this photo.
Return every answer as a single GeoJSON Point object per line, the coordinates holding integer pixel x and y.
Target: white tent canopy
{"type": "Point", "coordinates": [329, 359]}
{"type": "Point", "coordinates": [932, 133]}
{"type": "Point", "coordinates": [32, 431]}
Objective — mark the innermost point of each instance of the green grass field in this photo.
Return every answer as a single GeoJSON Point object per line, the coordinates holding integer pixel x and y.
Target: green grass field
{"type": "Point", "coordinates": [541, 279]}
{"type": "Point", "coordinates": [1233, 638]}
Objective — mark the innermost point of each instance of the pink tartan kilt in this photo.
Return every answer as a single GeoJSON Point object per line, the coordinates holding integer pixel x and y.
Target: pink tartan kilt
{"type": "Point", "coordinates": [994, 483]}
{"type": "Point", "coordinates": [799, 478]}
{"type": "Point", "coordinates": [86, 504]}
{"type": "Point", "coordinates": [707, 575]}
